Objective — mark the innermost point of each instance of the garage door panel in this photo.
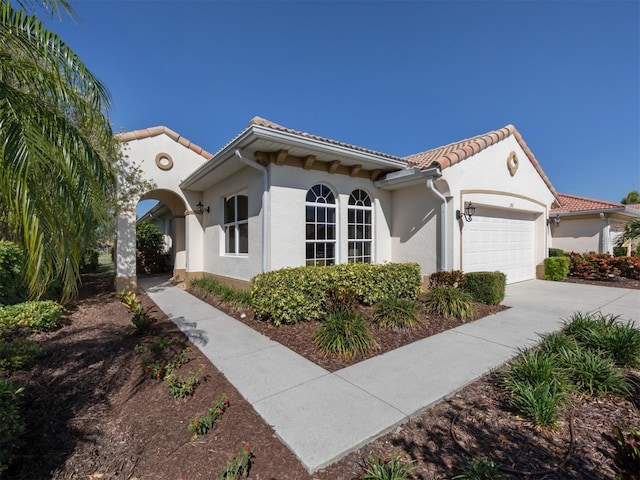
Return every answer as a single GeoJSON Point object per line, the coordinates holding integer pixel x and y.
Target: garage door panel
{"type": "Point", "coordinates": [502, 241]}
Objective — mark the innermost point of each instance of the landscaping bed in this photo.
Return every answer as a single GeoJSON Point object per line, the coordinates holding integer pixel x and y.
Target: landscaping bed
{"type": "Point", "coordinates": [92, 413]}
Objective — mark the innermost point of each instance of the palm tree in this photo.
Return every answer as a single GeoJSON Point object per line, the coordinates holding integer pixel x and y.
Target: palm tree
{"type": "Point", "coordinates": [631, 232]}
{"type": "Point", "coordinates": [55, 147]}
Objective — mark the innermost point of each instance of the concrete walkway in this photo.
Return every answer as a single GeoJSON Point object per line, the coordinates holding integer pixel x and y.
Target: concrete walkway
{"type": "Point", "coordinates": [323, 416]}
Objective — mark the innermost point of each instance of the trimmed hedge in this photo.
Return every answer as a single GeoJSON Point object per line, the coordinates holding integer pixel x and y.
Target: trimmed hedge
{"type": "Point", "coordinates": [298, 294]}
{"type": "Point", "coordinates": [12, 288]}
{"type": "Point", "coordinates": [556, 252]}
{"type": "Point", "coordinates": [556, 268]}
{"type": "Point", "coordinates": [486, 287]}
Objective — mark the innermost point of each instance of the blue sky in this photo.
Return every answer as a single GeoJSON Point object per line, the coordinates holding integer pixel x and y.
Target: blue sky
{"type": "Point", "coordinates": [398, 77]}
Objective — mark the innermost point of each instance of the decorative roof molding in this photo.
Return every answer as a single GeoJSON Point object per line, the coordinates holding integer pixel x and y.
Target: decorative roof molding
{"type": "Point", "coordinates": [156, 131]}
{"type": "Point", "coordinates": [454, 153]}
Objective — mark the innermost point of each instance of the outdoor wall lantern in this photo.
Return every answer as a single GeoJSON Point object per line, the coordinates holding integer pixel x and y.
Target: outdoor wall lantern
{"type": "Point", "coordinates": [202, 209]}
{"type": "Point", "coordinates": [469, 210]}
{"type": "Point", "coordinates": [556, 221]}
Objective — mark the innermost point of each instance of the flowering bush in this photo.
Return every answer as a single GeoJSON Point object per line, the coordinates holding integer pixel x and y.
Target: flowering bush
{"type": "Point", "coordinates": [603, 265]}
{"type": "Point", "coordinates": [201, 425]}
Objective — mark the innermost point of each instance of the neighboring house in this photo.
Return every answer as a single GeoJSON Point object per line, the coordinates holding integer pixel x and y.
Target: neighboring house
{"type": "Point", "coordinates": [275, 197]}
{"type": "Point", "coordinates": [589, 225]}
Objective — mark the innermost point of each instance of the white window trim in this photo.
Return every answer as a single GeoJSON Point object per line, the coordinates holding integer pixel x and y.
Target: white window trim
{"type": "Point", "coordinates": [371, 209]}
{"type": "Point", "coordinates": [236, 225]}
{"type": "Point", "coordinates": [336, 224]}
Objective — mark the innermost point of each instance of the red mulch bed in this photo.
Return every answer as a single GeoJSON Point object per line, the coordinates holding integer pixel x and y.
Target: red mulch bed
{"type": "Point", "coordinates": [92, 414]}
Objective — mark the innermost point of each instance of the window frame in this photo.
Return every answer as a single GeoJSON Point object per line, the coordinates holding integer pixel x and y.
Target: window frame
{"type": "Point", "coordinates": [352, 226]}
{"type": "Point", "coordinates": [237, 224]}
{"type": "Point", "coordinates": [321, 225]}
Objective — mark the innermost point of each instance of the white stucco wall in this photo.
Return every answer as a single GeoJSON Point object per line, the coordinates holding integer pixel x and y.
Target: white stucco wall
{"type": "Point", "coordinates": [242, 267]}
{"type": "Point", "coordinates": [415, 232]}
{"type": "Point", "coordinates": [485, 180]}
{"type": "Point", "coordinates": [287, 202]}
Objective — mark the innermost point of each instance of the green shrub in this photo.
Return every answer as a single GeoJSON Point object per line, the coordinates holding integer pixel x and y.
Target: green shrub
{"type": "Point", "coordinates": [89, 262]}
{"type": "Point", "coordinates": [449, 302]}
{"type": "Point", "coordinates": [299, 294]}
{"type": "Point", "coordinates": [150, 257]}
{"type": "Point", "coordinates": [392, 467]}
{"type": "Point", "coordinates": [486, 287]}
{"type": "Point", "coordinates": [556, 268]}
{"type": "Point", "coordinates": [556, 252]}
{"type": "Point", "coordinates": [17, 353]}
{"type": "Point", "coordinates": [344, 334]}
{"type": "Point", "coordinates": [619, 251]}
{"type": "Point", "coordinates": [210, 287]}
{"type": "Point", "coordinates": [454, 278]}
{"type": "Point", "coordinates": [37, 316]}
{"type": "Point", "coordinates": [396, 313]}
{"type": "Point", "coordinates": [12, 425]}
{"type": "Point", "coordinates": [12, 287]}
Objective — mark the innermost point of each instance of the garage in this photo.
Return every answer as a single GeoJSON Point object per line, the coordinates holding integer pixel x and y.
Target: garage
{"type": "Point", "coordinates": [500, 240]}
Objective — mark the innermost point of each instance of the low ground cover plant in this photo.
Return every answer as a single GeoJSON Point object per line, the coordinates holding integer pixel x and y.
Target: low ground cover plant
{"type": "Point", "coordinates": [17, 352]}
{"type": "Point", "coordinates": [449, 302]}
{"type": "Point", "coordinates": [239, 466]}
{"type": "Point", "coordinates": [391, 467]}
{"type": "Point", "coordinates": [35, 316]}
{"type": "Point", "coordinates": [582, 359]}
{"type": "Point", "coordinates": [201, 425]}
{"type": "Point", "coordinates": [212, 288]}
{"type": "Point", "coordinates": [12, 425]}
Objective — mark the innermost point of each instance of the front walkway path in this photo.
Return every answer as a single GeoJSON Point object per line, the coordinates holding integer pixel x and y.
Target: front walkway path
{"type": "Point", "coordinates": [322, 416]}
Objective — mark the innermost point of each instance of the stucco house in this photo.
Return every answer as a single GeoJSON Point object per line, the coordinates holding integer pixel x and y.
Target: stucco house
{"type": "Point", "coordinates": [274, 197]}
{"type": "Point", "coordinates": [584, 225]}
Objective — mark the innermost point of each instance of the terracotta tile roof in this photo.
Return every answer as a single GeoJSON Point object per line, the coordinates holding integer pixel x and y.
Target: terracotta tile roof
{"type": "Point", "coordinates": [634, 206]}
{"type": "Point", "coordinates": [155, 131]}
{"type": "Point", "coordinates": [574, 203]}
{"type": "Point", "coordinates": [269, 124]}
{"type": "Point", "coordinates": [453, 153]}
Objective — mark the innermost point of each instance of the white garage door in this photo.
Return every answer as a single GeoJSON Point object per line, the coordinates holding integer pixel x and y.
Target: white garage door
{"type": "Point", "coordinates": [500, 240]}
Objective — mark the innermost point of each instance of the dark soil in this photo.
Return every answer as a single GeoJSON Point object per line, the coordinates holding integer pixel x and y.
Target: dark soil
{"type": "Point", "coordinates": [93, 414]}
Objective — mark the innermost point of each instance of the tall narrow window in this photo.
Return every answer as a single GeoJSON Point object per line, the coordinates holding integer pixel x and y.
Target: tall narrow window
{"type": "Point", "coordinates": [236, 224]}
{"type": "Point", "coordinates": [359, 224]}
{"type": "Point", "coordinates": [320, 226]}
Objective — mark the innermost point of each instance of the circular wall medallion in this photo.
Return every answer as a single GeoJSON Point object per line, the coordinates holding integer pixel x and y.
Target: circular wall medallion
{"type": "Point", "coordinates": [512, 163]}
{"type": "Point", "coordinates": [164, 161]}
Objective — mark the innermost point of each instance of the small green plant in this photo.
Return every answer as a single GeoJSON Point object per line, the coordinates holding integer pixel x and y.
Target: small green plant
{"type": "Point", "coordinates": [480, 469]}
{"type": "Point", "coordinates": [17, 353]}
{"type": "Point", "coordinates": [239, 466]}
{"type": "Point", "coordinates": [539, 403]}
{"type": "Point", "coordinates": [341, 298]}
{"type": "Point", "coordinates": [449, 302]}
{"type": "Point", "coordinates": [344, 334]}
{"type": "Point", "coordinates": [180, 387]}
{"type": "Point", "coordinates": [454, 278]}
{"type": "Point", "coordinates": [391, 467]}
{"type": "Point", "coordinates": [159, 370]}
{"type": "Point", "coordinates": [556, 252]}
{"type": "Point", "coordinates": [627, 450]}
{"type": "Point", "coordinates": [201, 425]}
{"type": "Point", "coordinates": [556, 268]}
{"type": "Point", "coordinates": [141, 319]}
{"type": "Point", "coordinates": [396, 313]}
{"type": "Point", "coordinates": [12, 425]}
{"type": "Point", "coordinates": [159, 344]}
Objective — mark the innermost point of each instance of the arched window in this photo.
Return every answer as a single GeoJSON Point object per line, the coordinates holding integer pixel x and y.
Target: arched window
{"type": "Point", "coordinates": [360, 228]}
{"type": "Point", "coordinates": [320, 226]}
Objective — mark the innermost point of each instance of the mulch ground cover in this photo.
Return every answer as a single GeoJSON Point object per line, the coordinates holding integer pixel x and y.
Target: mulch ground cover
{"type": "Point", "coordinates": [93, 413]}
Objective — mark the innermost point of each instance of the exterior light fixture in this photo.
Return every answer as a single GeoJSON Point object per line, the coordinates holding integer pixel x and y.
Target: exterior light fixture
{"type": "Point", "coordinates": [201, 208]}
{"type": "Point", "coordinates": [469, 211]}
{"type": "Point", "coordinates": [555, 221]}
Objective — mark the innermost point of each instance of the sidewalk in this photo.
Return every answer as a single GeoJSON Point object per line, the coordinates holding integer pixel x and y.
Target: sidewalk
{"type": "Point", "coordinates": [322, 416]}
